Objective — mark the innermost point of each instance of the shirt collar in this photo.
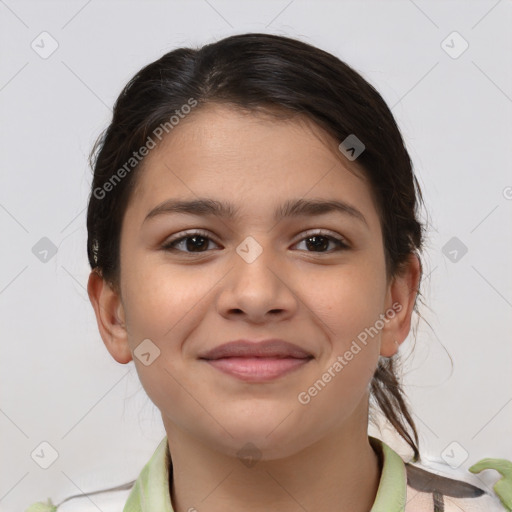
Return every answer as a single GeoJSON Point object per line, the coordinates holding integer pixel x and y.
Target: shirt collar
{"type": "Point", "coordinates": [392, 490]}
{"type": "Point", "coordinates": [151, 490]}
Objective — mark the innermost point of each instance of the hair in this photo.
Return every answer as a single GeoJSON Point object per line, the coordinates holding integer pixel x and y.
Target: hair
{"type": "Point", "coordinates": [280, 76]}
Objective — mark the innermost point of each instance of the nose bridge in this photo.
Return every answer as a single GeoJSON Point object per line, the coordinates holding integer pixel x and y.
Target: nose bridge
{"type": "Point", "coordinates": [255, 260]}
{"type": "Point", "coordinates": [255, 286]}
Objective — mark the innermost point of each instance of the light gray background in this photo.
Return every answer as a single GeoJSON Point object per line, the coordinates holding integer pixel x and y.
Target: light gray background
{"type": "Point", "coordinates": [60, 385]}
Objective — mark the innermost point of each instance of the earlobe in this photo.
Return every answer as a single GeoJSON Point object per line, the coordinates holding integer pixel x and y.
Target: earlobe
{"type": "Point", "coordinates": [110, 317]}
{"type": "Point", "coordinates": [400, 301]}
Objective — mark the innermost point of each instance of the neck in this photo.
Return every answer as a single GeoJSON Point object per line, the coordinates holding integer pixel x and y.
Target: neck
{"type": "Point", "coordinates": [340, 472]}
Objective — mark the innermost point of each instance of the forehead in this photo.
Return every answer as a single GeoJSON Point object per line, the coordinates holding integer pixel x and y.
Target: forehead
{"type": "Point", "coordinates": [229, 154]}
{"type": "Point", "coordinates": [233, 133]}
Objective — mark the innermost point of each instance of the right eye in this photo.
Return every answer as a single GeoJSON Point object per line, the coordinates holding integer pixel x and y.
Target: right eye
{"type": "Point", "coordinates": [189, 242]}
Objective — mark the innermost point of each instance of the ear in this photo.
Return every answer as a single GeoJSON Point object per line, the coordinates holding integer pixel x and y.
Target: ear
{"type": "Point", "coordinates": [110, 316]}
{"type": "Point", "coordinates": [400, 299]}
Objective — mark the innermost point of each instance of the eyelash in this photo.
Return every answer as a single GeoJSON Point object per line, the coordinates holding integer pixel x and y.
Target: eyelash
{"type": "Point", "coordinates": [169, 245]}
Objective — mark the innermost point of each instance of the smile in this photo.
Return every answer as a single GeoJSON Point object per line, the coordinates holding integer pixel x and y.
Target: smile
{"type": "Point", "coordinates": [258, 369]}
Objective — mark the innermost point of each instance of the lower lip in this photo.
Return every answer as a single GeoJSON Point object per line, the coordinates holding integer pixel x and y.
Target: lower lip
{"type": "Point", "coordinates": [257, 369]}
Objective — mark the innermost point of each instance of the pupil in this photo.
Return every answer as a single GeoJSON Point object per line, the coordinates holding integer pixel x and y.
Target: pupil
{"type": "Point", "coordinates": [192, 246]}
{"type": "Point", "coordinates": [322, 244]}
{"type": "Point", "coordinates": [315, 242]}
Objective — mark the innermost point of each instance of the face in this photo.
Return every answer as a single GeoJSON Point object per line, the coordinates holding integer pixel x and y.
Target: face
{"type": "Point", "coordinates": [191, 282]}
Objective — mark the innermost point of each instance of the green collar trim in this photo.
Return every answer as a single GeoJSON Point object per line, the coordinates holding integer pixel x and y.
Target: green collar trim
{"type": "Point", "coordinates": [151, 490]}
{"type": "Point", "coordinates": [392, 490]}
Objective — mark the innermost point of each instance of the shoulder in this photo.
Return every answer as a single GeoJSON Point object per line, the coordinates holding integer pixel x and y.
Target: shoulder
{"type": "Point", "coordinates": [438, 487]}
{"type": "Point", "coordinates": [108, 500]}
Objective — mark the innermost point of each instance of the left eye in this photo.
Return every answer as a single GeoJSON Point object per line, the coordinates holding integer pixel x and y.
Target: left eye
{"type": "Point", "coordinates": [197, 242]}
{"type": "Point", "coordinates": [321, 241]}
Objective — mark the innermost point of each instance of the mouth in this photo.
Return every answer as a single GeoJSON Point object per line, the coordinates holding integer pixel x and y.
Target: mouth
{"type": "Point", "coordinates": [257, 361]}
{"type": "Point", "coordinates": [257, 369]}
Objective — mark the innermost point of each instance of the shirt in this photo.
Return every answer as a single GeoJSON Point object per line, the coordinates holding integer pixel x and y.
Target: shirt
{"type": "Point", "coordinates": [403, 487]}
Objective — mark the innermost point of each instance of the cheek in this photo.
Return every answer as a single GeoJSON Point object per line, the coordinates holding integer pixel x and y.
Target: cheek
{"type": "Point", "coordinates": [348, 304]}
{"type": "Point", "coordinates": [347, 300]}
{"type": "Point", "coordinates": [161, 301]}
{"type": "Point", "coordinates": [165, 305]}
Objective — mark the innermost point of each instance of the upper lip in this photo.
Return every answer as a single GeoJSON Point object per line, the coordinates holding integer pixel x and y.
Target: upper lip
{"type": "Point", "coordinates": [265, 348]}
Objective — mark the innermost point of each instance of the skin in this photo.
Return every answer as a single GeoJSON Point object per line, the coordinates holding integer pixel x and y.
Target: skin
{"type": "Point", "coordinates": [316, 455]}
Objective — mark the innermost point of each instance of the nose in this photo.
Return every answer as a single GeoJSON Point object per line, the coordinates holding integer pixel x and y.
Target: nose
{"type": "Point", "coordinates": [259, 290]}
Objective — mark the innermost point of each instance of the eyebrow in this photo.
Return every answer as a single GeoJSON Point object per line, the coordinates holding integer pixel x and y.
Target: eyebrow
{"type": "Point", "coordinates": [291, 208]}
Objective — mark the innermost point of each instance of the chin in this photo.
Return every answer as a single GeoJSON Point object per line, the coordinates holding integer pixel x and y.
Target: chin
{"type": "Point", "coordinates": [252, 448]}
{"type": "Point", "coordinates": [260, 439]}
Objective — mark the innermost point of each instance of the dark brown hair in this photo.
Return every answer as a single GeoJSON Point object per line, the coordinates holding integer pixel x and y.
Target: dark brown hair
{"type": "Point", "coordinates": [262, 72]}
